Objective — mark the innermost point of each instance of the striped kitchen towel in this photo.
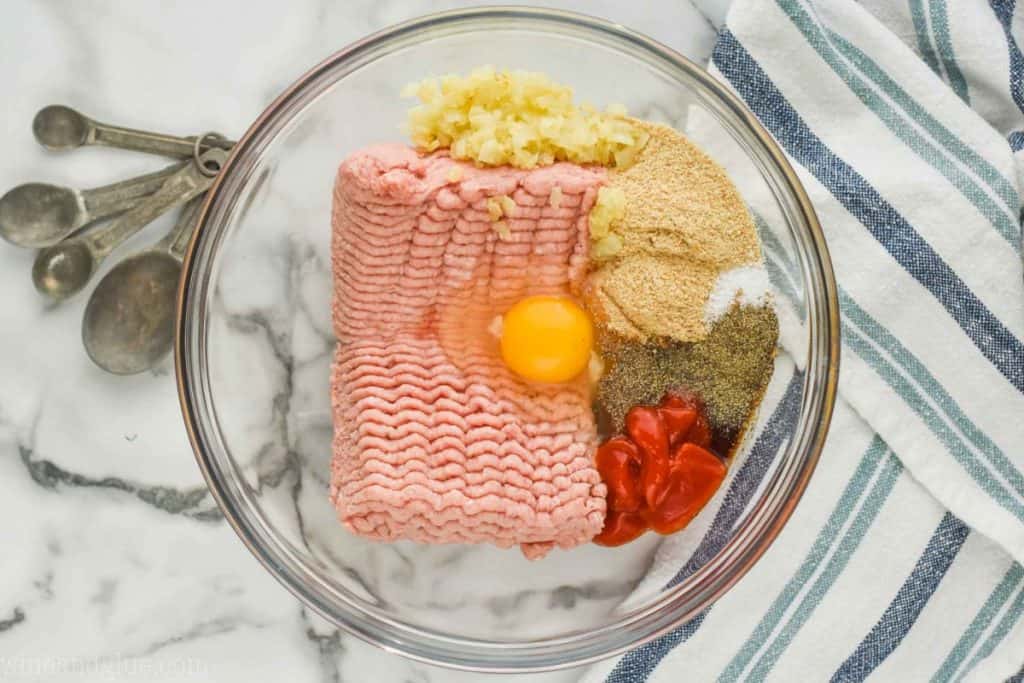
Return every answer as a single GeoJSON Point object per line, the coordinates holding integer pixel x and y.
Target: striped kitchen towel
{"type": "Point", "coordinates": [905, 122]}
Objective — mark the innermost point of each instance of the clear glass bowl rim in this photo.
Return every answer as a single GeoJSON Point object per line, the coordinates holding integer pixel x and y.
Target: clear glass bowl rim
{"type": "Point", "coordinates": [678, 604]}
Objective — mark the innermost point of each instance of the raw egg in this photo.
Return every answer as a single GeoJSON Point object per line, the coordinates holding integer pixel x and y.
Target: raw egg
{"type": "Point", "coordinates": [546, 339]}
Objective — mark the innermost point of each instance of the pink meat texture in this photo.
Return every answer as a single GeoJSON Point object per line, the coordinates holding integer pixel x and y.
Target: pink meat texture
{"type": "Point", "coordinates": [435, 439]}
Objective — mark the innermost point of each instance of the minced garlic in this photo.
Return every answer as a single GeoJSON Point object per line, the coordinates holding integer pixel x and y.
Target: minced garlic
{"type": "Point", "coordinates": [606, 247]}
{"type": "Point", "coordinates": [494, 209]}
{"type": "Point", "coordinates": [499, 206]}
{"type": "Point", "coordinates": [556, 197]}
{"type": "Point", "coordinates": [595, 368]}
{"type": "Point", "coordinates": [608, 210]}
{"type": "Point", "coordinates": [508, 204]}
{"type": "Point", "coordinates": [496, 326]}
{"type": "Point", "coordinates": [519, 118]}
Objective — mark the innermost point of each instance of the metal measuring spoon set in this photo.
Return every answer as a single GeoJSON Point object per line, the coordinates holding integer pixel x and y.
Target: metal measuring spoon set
{"type": "Point", "coordinates": [128, 322]}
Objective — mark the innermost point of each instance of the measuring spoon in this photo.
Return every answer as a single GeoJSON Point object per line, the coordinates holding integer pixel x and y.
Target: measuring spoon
{"type": "Point", "coordinates": [128, 325]}
{"type": "Point", "coordinates": [57, 128]}
{"type": "Point", "coordinates": [64, 269]}
{"type": "Point", "coordinates": [40, 214]}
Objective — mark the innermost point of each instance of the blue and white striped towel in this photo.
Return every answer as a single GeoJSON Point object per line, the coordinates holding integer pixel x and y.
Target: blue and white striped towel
{"type": "Point", "coordinates": [903, 562]}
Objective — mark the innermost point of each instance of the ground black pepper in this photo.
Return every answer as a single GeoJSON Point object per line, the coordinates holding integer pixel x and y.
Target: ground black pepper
{"type": "Point", "coordinates": [728, 370]}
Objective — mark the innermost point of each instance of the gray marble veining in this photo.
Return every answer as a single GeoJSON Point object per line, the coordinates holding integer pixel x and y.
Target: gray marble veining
{"type": "Point", "coordinates": [114, 550]}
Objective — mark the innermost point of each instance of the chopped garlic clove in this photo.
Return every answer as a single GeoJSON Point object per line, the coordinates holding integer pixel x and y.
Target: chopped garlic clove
{"type": "Point", "coordinates": [496, 327]}
{"type": "Point", "coordinates": [494, 209]}
{"type": "Point", "coordinates": [607, 247]}
{"type": "Point", "coordinates": [608, 210]}
{"type": "Point", "coordinates": [556, 197]}
{"type": "Point", "coordinates": [519, 118]}
{"type": "Point", "coordinates": [507, 204]}
{"type": "Point", "coordinates": [595, 368]}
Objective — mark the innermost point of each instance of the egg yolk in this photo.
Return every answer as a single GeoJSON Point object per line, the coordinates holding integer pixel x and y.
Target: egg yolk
{"type": "Point", "coordinates": [546, 339]}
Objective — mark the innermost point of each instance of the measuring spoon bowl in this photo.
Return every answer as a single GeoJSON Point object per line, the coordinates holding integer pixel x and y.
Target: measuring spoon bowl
{"type": "Point", "coordinates": [57, 127]}
{"type": "Point", "coordinates": [128, 326]}
{"type": "Point", "coordinates": [41, 214]}
{"type": "Point", "coordinates": [63, 270]}
{"type": "Point", "coordinates": [38, 214]}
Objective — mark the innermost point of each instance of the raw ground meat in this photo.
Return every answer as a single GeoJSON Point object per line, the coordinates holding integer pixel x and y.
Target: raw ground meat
{"type": "Point", "coordinates": [435, 439]}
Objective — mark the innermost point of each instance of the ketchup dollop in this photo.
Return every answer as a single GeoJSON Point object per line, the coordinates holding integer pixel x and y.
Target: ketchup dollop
{"type": "Point", "coordinates": [660, 473]}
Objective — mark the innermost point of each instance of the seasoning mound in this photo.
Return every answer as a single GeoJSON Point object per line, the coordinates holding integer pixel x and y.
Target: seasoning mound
{"type": "Point", "coordinates": [662, 232]}
{"type": "Point", "coordinates": [656, 296]}
{"type": "Point", "coordinates": [518, 118]}
{"type": "Point", "coordinates": [729, 369]}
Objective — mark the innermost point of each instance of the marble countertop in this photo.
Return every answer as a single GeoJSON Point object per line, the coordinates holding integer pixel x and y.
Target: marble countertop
{"type": "Point", "coordinates": [116, 564]}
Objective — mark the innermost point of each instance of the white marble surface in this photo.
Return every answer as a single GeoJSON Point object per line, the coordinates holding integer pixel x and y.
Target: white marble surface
{"type": "Point", "coordinates": [116, 564]}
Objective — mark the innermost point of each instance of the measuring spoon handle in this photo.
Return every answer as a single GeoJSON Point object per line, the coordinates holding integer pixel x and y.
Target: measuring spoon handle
{"type": "Point", "coordinates": [178, 238]}
{"type": "Point", "coordinates": [101, 202]}
{"type": "Point", "coordinates": [146, 141]}
{"type": "Point", "coordinates": [180, 187]}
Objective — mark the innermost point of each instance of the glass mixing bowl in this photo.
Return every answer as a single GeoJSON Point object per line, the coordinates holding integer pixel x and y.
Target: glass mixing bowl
{"type": "Point", "coordinates": [254, 344]}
